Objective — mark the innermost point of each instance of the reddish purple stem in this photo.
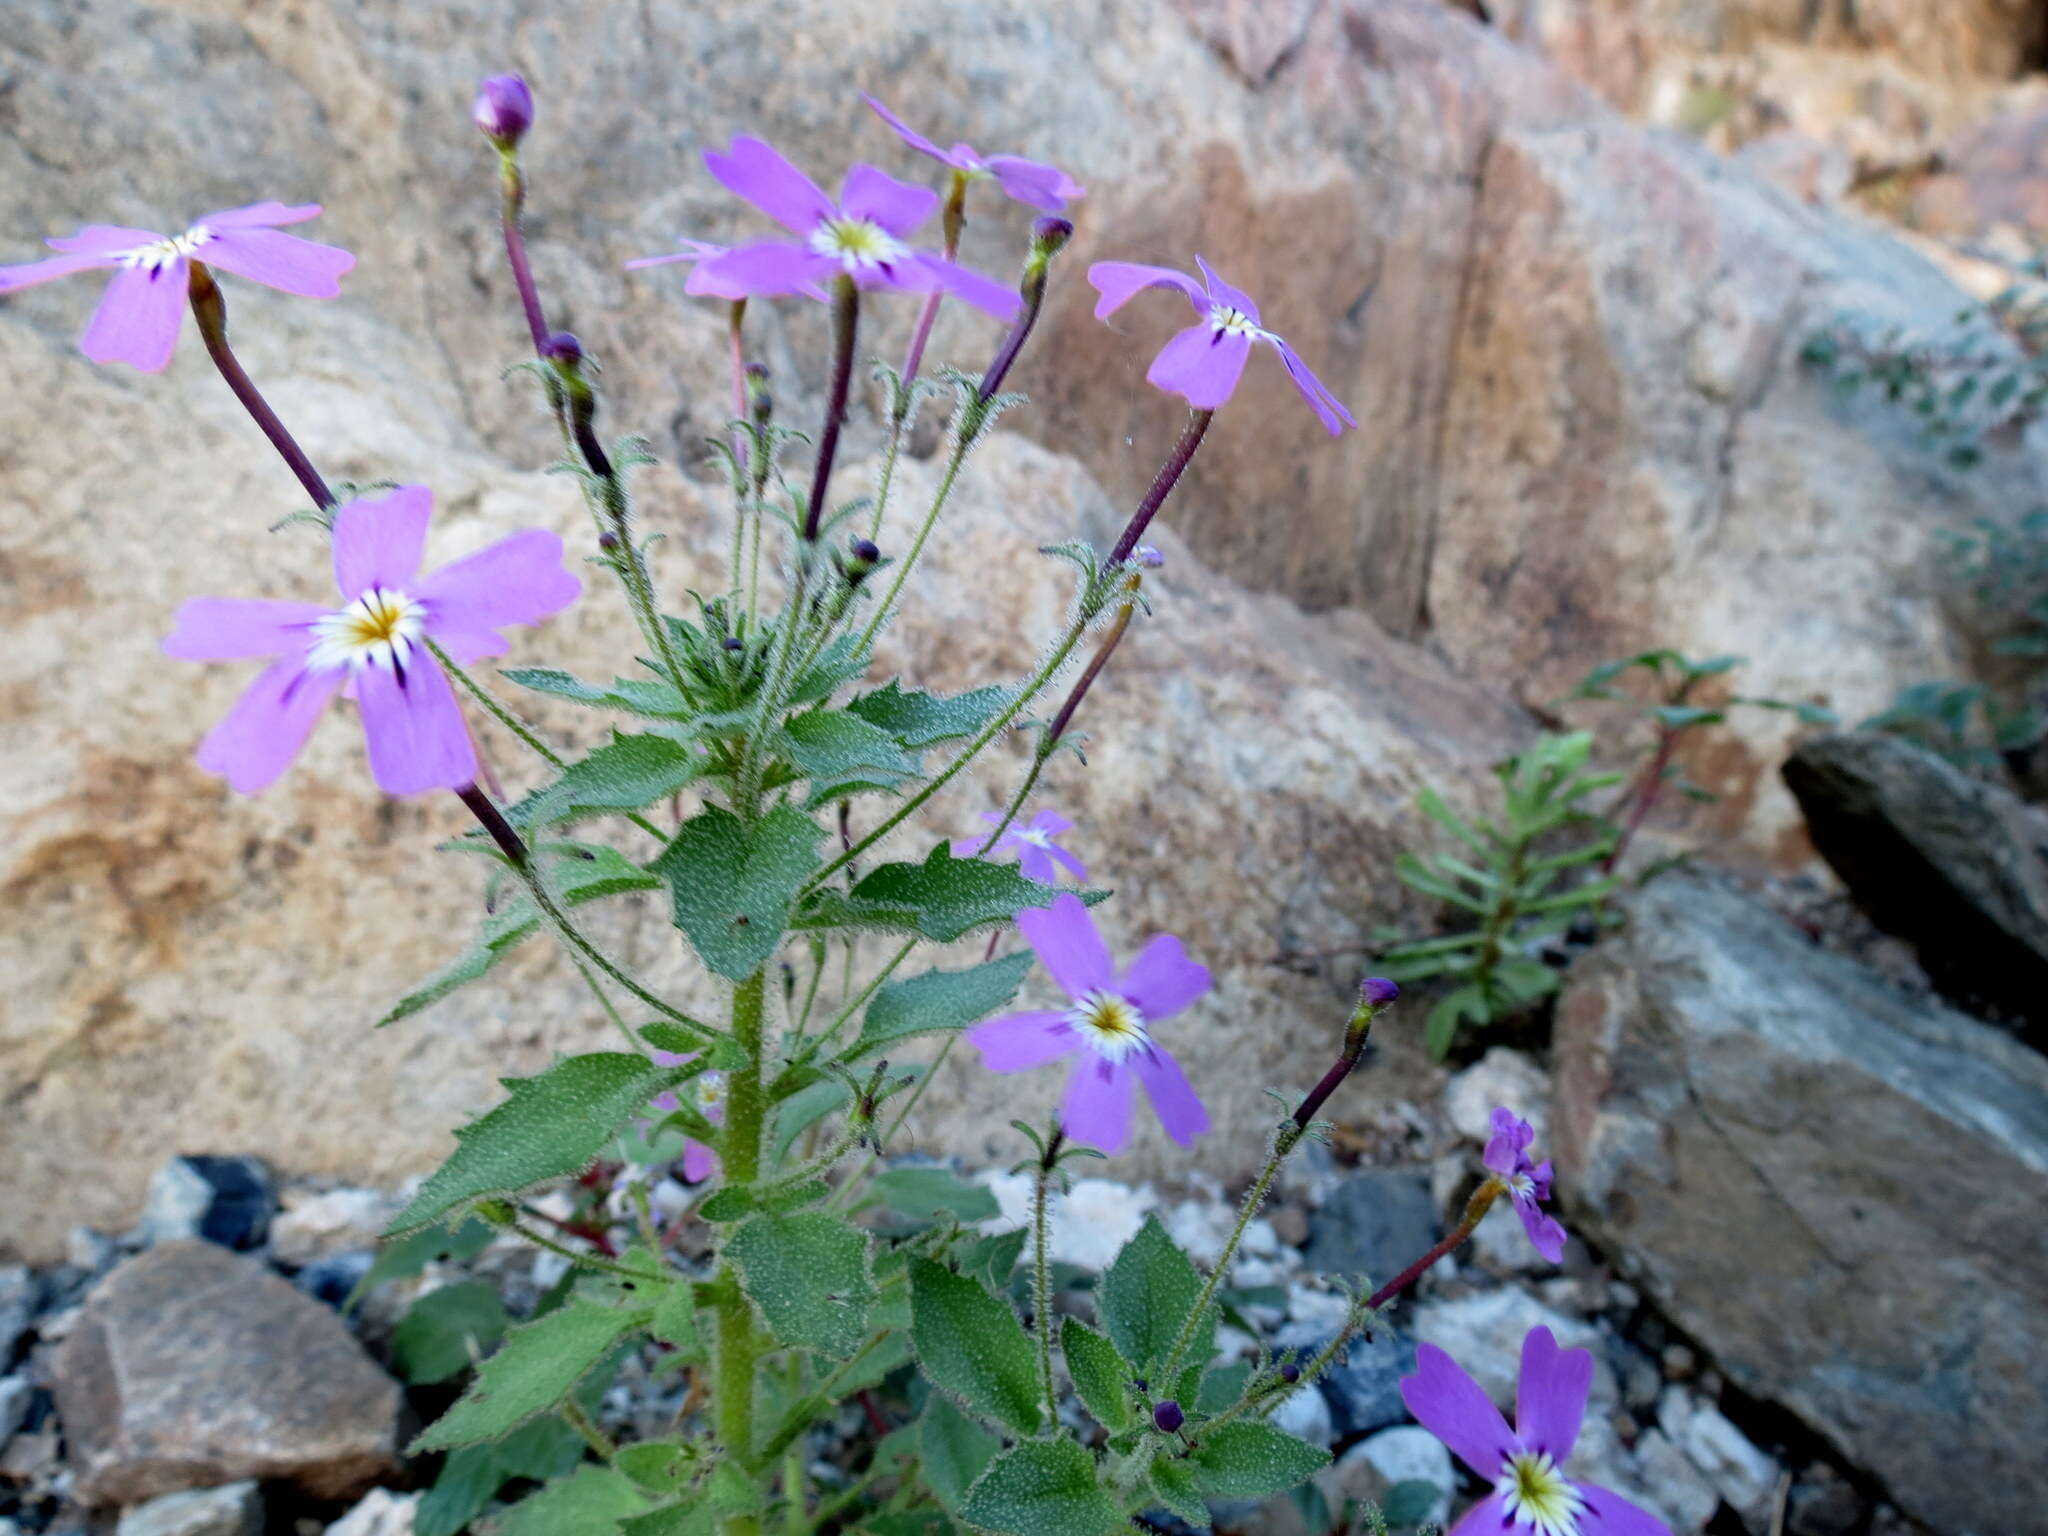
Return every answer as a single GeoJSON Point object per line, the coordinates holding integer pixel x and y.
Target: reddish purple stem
{"type": "Point", "coordinates": [210, 310]}
{"type": "Point", "coordinates": [1162, 484]}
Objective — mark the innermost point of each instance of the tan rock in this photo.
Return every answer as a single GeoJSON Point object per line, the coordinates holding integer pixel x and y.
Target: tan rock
{"type": "Point", "coordinates": [193, 1366]}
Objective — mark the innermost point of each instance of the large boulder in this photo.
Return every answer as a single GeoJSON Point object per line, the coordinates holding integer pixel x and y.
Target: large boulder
{"type": "Point", "coordinates": [1572, 348]}
{"type": "Point", "coordinates": [192, 1367]}
{"type": "Point", "coordinates": [1954, 865]}
{"type": "Point", "coordinates": [1833, 1187]}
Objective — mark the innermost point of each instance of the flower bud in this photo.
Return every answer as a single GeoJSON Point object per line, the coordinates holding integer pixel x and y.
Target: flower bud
{"type": "Point", "coordinates": [563, 347]}
{"type": "Point", "coordinates": [733, 643]}
{"type": "Point", "coordinates": [862, 556]}
{"type": "Point", "coordinates": [1290, 1373]}
{"type": "Point", "coordinates": [504, 109]}
{"type": "Point", "coordinates": [1378, 991]}
{"type": "Point", "coordinates": [607, 540]}
{"type": "Point", "coordinates": [1049, 235]}
{"type": "Point", "coordinates": [1167, 1417]}
{"type": "Point", "coordinates": [1147, 556]}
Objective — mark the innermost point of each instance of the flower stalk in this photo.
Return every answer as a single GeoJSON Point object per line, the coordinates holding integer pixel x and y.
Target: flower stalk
{"type": "Point", "coordinates": [845, 323]}
{"type": "Point", "coordinates": [210, 310]}
{"type": "Point", "coordinates": [1041, 1268]}
{"type": "Point", "coordinates": [1162, 484]}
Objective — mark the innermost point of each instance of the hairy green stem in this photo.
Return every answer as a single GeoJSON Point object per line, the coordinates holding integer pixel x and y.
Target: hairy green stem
{"type": "Point", "coordinates": [963, 439]}
{"type": "Point", "coordinates": [580, 1421]}
{"type": "Point", "coordinates": [1041, 1279]}
{"type": "Point", "coordinates": [739, 1346]}
{"type": "Point", "coordinates": [1284, 1141]}
{"type": "Point", "coordinates": [567, 932]}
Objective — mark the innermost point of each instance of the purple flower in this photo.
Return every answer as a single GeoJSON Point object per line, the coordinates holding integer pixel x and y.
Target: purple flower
{"type": "Point", "coordinates": [1378, 991]}
{"type": "Point", "coordinates": [138, 319]}
{"type": "Point", "coordinates": [373, 648]}
{"type": "Point", "coordinates": [1203, 362]}
{"type": "Point", "coordinates": [1028, 181]}
{"type": "Point", "coordinates": [701, 251]}
{"type": "Point", "coordinates": [1034, 846]}
{"type": "Point", "coordinates": [1527, 1183]}
{"type": "Point", "coordinates": [864, 235]}
{"type": "Point", "coordinates": [708, 1089]}
{"type": "Point", "coordinates": [504, 109]}
{"type": "Point", "coordinates": [1524, 1465]}
{"type": "Point", "coordinates": [1108, 1027]}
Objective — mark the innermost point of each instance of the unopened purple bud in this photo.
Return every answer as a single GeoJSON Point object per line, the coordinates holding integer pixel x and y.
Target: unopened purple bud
{"type": "Point", "coordinates": [733, 643]}
{"type": "Point", "coordinates": [1148, 557]}
{"type": "Point", "coordinates": [607, 540]}
{"type": "Point", "coordinates": [1378, 991]}
{"type": "Point", "coordinates": [862, 556]}
{"type": "Point", "coordinates": [563, 346]}
{"type": "Point", "coordinates": [1290, 1373]}
{"type": "Point", "coordinates": [1051, 234]}
{"type": "Point", "coordinates": [504, 109]}
{"type": "Point", "coordinates": [1167, 1417]}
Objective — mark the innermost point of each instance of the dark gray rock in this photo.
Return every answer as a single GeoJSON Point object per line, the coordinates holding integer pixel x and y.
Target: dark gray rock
{"type": "Point", "coordinates": [225, 1200]}
{"type": "Point", "coordinates": [21, 1293]}
{"type": "Point", "coordinates": [1835, 1189]}
{"type": "Point", "coordinates": [193, 1366]}
{"type": "Point", "coordinates": [1822, 1503]}
{"type": "Point", "coordinates": [1364, 1388]}
{"type": "Point", "coordinates": [1375, 1223]}
{"type": "Point", "coordinates": [1956, 867]}
{"type": "Point", "coordinates": [15, 1394]}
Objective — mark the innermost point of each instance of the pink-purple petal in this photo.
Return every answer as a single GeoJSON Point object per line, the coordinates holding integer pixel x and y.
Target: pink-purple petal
{"type": "Point", "coordinates": [280, 261]}
{"type": "Point", "coordinates": [379, 540]}
{"type": "Point", "coordinates": [259, 216]}
{"type": "Point", "coordinates": [466, 645]}
{"type": "Point", "coordinates": [414, 728]}
{"type": "Point", "coordinates": [762, 267]}
{"type": "Point", "coordinates": [1550, 1393]}
{"type": "Point", "coordinates": [1067, 941]}
{"type": "Point", "coordinates": [912, 137]}
{"type": "Point", "coordinates": [898, 206]}
{"type": "Point", "coordinates": [1489, 1517]}
{"type": "Point", "coordinates": [1608, 1514]}
{"type": "Point", "coordinates": [518, 580]}
{"type": "Point", "coordinates": [138, 318]}
{"type": "Point", "coordinates": [257, 739]}
{"type": "Point", "coordinates": [984, 293]}
{"type": "Point", "coordinates": [1097, 1109]}
{"type": "Point", "coordinates": [1173, 1097]}
{"type": "Point", "coordinates": [1018, 1042]}
{"type": "Point", "coordinates": [1453, 1407]}
{"type": "Point", "coordinates": [699, 1162]}
{"type": "Point", "coordinates": [1163, 980]}
{"type": "Point", "coordinates": [1224, 294]}
{"type": "Point", "coordinates": [105, 240]}
{"type": "Point", "coordinates": [1328, 408]}
{"type": "Point", "coordinates": [1068, 862]}
{"type": "Point", "coordinates": [236, 628]}
{"type": "Point", "coordinates": [1041, 186]}
{"type": "Point", "coordinates": [691, 250]}
{"type": "Point", "coordinates": [1121, 281]}
{"type": "Point", "coordinates": [49, 269]}
{"type": "Point", "coordinates": [1034, 862]}
{"type": "Point", "coordinates": [757, 171]}
{"type": "Point", "coordinates": [1201, 364]}
{"type": "Point", "coordinates": [1051, 823]}
{"type": "Point", "coordinates": [1546, 1233]}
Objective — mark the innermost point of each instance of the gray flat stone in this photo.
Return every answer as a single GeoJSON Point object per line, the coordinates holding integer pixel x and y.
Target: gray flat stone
{"type": "Point", "coordinates": [234, 1509]}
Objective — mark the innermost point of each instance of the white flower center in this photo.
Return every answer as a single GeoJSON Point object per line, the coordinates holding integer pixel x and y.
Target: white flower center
{"type": "Point", "coordinates": [1537, 1496]}
{"type": "Point", "coordinates": [857, 243]}
{"type": "Point", "coordinates": [1035, 838]}
{"type": "Point", "coordinates": [1520, 1185]}
{"type": "Point", "coordinates": [379, 628]}
{"type": "Point", "coordinates": [1111, 1023]}
{"type": "Point", "coordinates": [710, 1091]}
{"type": "Point", "coordinates": [162, 253]}
{"type": "Point", "coordinates": [1233, 322]}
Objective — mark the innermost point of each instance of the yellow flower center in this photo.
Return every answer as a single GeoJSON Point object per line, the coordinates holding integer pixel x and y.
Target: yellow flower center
{"type": "Point", "coordinates": [1111, 1023]}
{"type": "Point", "coordinates": [1233, 322]}
{"type": "Point", "coordinates": [857, 243]}
{"type": "Point", "coordinates": [379, 628]}
{"type": "Point", "coordinates": [1537, 1496]}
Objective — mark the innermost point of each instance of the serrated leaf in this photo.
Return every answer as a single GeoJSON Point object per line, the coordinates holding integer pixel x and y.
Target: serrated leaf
{"type": "Point", "coordinates": [944, 897]}
{"type": "Point", "coordinates": [1174, 1481]}
{"type": "Point", "coordinates": [1100, 1375]}
{"type": "Point", "coordinates": [1145, 1296]}
{"type": "Point", "coordinates": [635, 696]}
{"type": "Point", "coordinates": [534, 1369]}
{"type": "Point", "coordinates": [589, 1502]}
{"type": "Point", "coordinates": [917, 720]}
{"type": "Point", "coordinates": [675, 1318]}
{"type": "Point", "coordinates": [444, 1331]}
{"type": "Point", "coordinates": [926, 1194]}
{"type": "Point", "coordinates": [840, 662]}
{"type": "Point", "coordinates": [1042, 1488]}
{"type": "Point", "coordinates": [661, 1467]}
{"type": "Point", "coordinates": [970, 1344]}
{"type": "Point", "coordinates": [938, 1001]}
{"type": "Point", "coordinates": [552, 1126]}
{"type": "Point", "coordinates": [732, 884]}
{"type": "Point", "coordinates": [628, 772]}
{"type": "Point", "coordinates": [953, 1450]}
{"type": "Point", "coordinates": [588, 873]}
{"type": "Point", "coordinates": [1250, 1459]}
{"type": "Point", "coordinates": [832, 743]}
{"type": "Point", "coordinates": [807, 1274]}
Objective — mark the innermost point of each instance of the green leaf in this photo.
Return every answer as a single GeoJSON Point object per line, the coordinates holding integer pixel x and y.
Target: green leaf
{"type": "Point", "coordinates": [994, 1259]}
{"type": "Point", "coordinates": [1418, 874]}
{"type": "Point", "coordinates": [589, 1502]}
{"type": "Point", "coordinates": [804, 1109]}
{"type": "Point", "coordinates": [662, 1467]}
{"type": "Point", "coordinates": [537, 1366]}
{"type": "Point", "coordinates": [1436, 810]}
{"type": "Point", "coordinates": [924, 719]}
{"type": "Point", "coordinates": [402, 1258]}
{"type": "Point", "coordinates": [732, 884]}
{"type": "Point", "coordinates": [627, 773]}
{"type": "Point", "coordinates": [446, 1330]}
{"type": "Point", "coordinates": [1145, 1296]}
{"type": "Point", "coordinates": [1042, 1488]}
{"type": "Point", "coordinates": [1250, 1459]}
{"type": "Point", "coordinates": [926, 1194]}
{"type": "Point", "coordinates": [586, 872]}
{"type": "Point", "coordinates": [472, 1476]}
{"type": "Point", "coordinates": [634, 696]}
{"type": "Point", "coordinates": [1100, 1375]}
{"type": "Point", "coordinates": [831, 743]}
{"type": "Point", "coordinates": [1173, 1480]}
{"type": "Point", "coordinates": [944, 897]}
{"type": "Point", "coordinates": [675, 1318]}
{"type": "Point", "coordinates": [1441, 1028]}
{"type": "Point", "coordinates": [1223, 1386]}
{"type": "Point", "coordinates": [808, 1275]}
{"type": "Point", "coordinates": [840, 662]}
{"type": "Point", "coordinates": [938, 1001]}
{"type": "Point", "coordinates": [969, 1343]}
{"type": "Point", "coordinates": [552, 1126]}
{"type": "Point", "coordinates": [953, 1450]}
{"type": "Point", "coordinates": [1411, 1501]}
{"type": "Point", "coordinates": [1679, 717]}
